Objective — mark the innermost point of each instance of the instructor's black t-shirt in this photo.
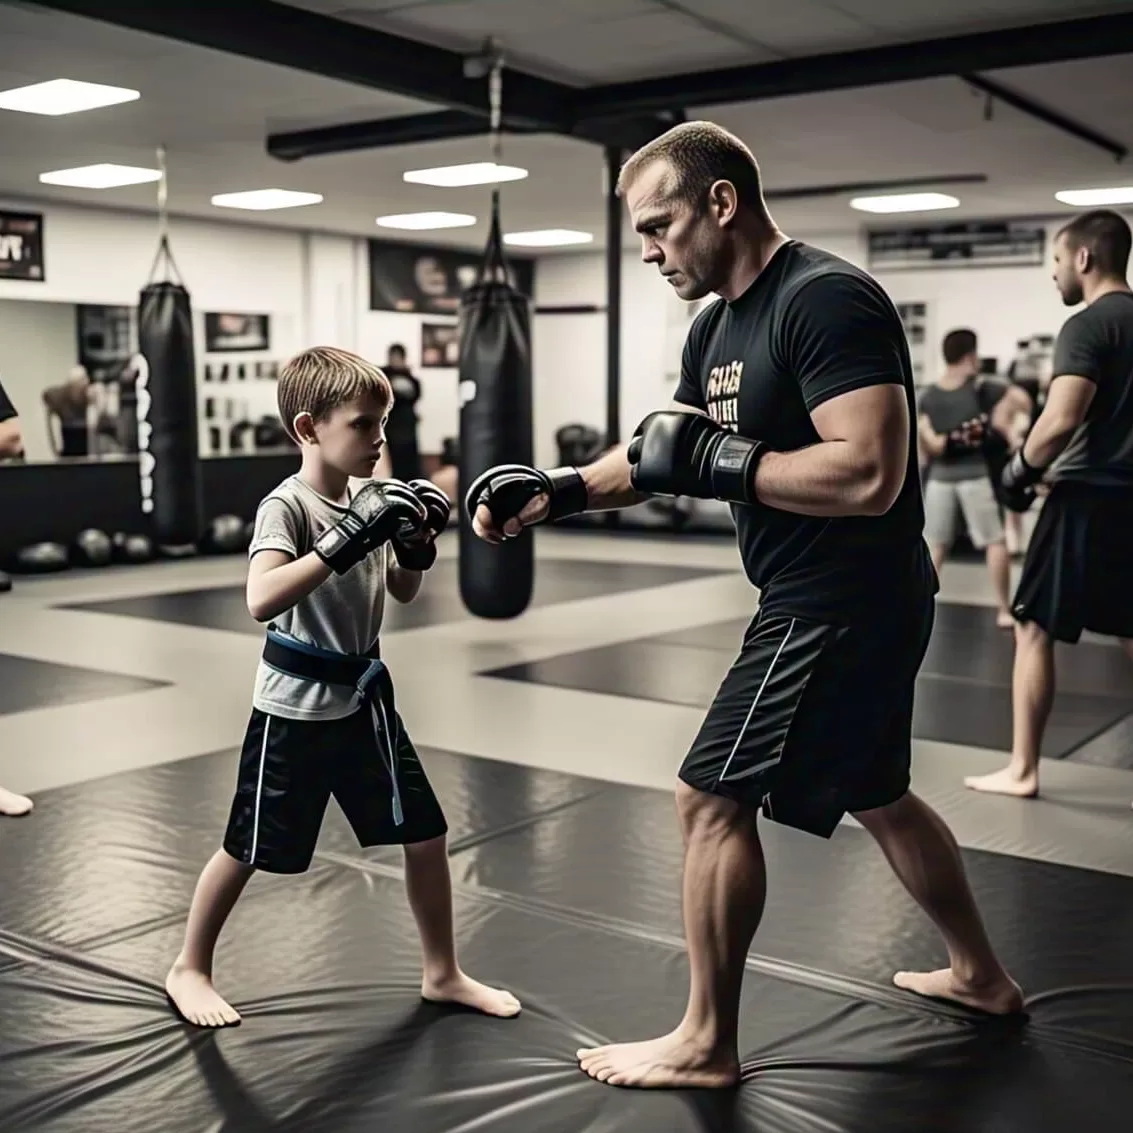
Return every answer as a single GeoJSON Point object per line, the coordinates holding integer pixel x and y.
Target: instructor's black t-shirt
{"type": "Point", "coordinates": [811, 327]}
{"type": "Point", "coordinates": [1097, 343]}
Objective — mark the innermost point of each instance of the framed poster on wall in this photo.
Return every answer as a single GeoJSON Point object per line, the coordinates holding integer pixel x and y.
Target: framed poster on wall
{"type": "Point", "coordinates": [21, 246]}
{"type": "Point", "coordinates": [914, 318]}
{"type": "Point", "coordinates": [232, 333]}
{"type": "Point", "coordinates": [440, 346]}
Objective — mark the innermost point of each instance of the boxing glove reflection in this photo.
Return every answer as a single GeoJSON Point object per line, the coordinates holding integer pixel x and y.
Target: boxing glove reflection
{"type": "Point", "coordinates": [508, 488]}
{"type": "Point", "coordinates": [378, 512]}
{"type": "Point", "coordinates": [688, 454]}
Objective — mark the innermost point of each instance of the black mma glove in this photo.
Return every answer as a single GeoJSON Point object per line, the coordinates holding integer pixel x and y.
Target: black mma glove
{"type": "Point", "coordinates": [380, 510]}
{"type": "Point", "coordinates": [416, 549]}
{"type": "Point", "coordinates": [508, 488]}
{"type": "Point", "coordinates": [688, 454]}
{"type": "Point", "coordinates": [1017, 481]}
{"type": "Point", "coordinates": [968, 437]}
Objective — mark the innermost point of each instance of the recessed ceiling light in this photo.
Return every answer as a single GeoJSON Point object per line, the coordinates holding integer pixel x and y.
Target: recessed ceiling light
{"type": "Point", "coordinates": [64, 96]}
{"type": "Point", "coordinates": [263, 200]}
{"type": "Point", "coordinates": [548, 238]}
{"type": "Point", "coordinates": [905, 202]}
{"type": "Point", "coordinates": [475, 173]}
{"type": "Point", "coordinates": [1090, 198]}
{"type": "Point", "coordinates": [423, 221]}
{"type": "Point", "coordinates": [104, 176]}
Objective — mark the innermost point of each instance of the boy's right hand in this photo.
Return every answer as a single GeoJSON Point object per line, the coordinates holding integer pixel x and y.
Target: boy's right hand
{"type": "Point", "coordinates": [380, 510]}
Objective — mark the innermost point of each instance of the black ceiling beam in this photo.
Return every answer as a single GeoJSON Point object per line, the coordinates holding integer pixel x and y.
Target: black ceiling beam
{"type": "Point", "coordinates": [900, 62]}
{"type": "Point", "coordinates": [306, 41]}
{"type": "Point", "coordinates": [1043, 113]}
{"type": "Point", "coordinates": [445, 125]}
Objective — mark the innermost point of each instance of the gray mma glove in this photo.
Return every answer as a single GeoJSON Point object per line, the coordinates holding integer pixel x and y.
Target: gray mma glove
{"type": "Point", "coordinates": [380, 510]}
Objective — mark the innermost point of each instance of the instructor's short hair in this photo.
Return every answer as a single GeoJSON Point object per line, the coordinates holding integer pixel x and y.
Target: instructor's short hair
{"type": "Point", "coordinates": [699, 154]}
{"type": "Point", "coordinates": [320, 379]}
{"type": "Point", "coordinates": [1106, 234]}
{"type": "Point", "coordinates": [958, 344]}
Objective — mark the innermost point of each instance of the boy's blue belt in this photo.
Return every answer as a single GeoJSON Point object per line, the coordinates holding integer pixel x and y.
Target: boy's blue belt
{"type": "Point", "coordinates": [295, 658]}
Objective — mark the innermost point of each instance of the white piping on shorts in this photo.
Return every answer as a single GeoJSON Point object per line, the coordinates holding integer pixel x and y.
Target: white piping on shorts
{"type": "Point", "coordinates": [749, 771]}
{"type": "Point", "coordinates": [259, 791]}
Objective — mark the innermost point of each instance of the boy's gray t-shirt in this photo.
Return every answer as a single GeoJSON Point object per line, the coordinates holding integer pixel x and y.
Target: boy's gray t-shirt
{"type": "Point", "coordinates": [343, 614]}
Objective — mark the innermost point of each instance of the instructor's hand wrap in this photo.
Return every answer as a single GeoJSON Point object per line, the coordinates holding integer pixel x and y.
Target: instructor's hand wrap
{"type": "Point", "coordinates": [508, 488]}
{"type": "Point", "coordinates": [688, 454]}
{"type": "Point", "coordinates": [1018, 481]}
{"type": "Point", "coordinates": [379, 511]}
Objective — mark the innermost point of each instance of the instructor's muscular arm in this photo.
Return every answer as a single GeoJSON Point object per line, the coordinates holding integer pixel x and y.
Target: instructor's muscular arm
{"type": "Point", "coordinates": [1067, 403]}
{"type": "Point", "coordinates": [277, 580]}
{"type": "Point", "coordinates": [859, 466]}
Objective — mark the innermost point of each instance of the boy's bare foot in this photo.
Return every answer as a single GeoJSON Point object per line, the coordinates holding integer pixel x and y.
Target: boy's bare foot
{"type": "Point", "coordinates": [1001, 997]}
{"type": "Point", "coordinates": [13, 805]}
{"type": "Point", "coordinates": [1020, 785]}
{"type": "Point", "coordinates": [467, 992]}
{"type": "Point", "coordinates": [196, 1000]}
{"type": "Point", "coordinates": [674, 1061]}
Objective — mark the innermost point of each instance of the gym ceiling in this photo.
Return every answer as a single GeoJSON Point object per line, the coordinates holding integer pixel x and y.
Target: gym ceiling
{"type": "Point", "coordinates": [1001, 104]}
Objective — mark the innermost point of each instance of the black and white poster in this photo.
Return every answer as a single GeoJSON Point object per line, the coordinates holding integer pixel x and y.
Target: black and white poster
{"type": "Point", "coordinates": [21, 246]}
{"type": "Point", "coordinates": [964, 245]}
{"type": "Point", "coordinates": [440, 346]}
{"type": "Point", "coordinates": [234, 333]}
{"type": "Point", "coordinates": [430, 281]}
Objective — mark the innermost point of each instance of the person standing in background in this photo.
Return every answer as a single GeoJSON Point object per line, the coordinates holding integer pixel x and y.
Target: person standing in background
{"type": "Point", "coordinates": [1078, 573]}
{"type": "Point", "coordinates": [957, 481]}
{"type": "Point", "coordinates": [401, 428]}
{"type": "Point", "coordinates": [11, 445]}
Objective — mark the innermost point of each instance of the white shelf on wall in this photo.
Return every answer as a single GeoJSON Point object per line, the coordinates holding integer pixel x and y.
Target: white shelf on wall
{"type": "Point", "coordinates": [235, 394]}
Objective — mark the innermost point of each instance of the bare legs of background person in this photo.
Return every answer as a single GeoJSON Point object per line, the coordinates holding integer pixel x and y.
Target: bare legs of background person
{"type": "Point", "coordinates": [1032, 694]}
{"type": "Point", "coordinates": [999, 567]}
{"type": "Point", "coordinates": [923, 854]}
{"type": "Point", "coordinates": [725, 888]}
{"type": "Point", "coordinates": [13, 805]}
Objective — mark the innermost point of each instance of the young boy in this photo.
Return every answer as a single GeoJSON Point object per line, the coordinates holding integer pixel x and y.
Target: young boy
{"type": "Point", "coordinates": [323, 720]}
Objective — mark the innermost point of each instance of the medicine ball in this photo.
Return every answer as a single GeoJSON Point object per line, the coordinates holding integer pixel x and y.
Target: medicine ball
{"type": "Point", "coordinates": [93, 548]}
{"type": "Point", "coordinates": [41, 558]}
{"type": "Point", "coordinates": [225, 535]}
{"type": "Point", "coordinates": [132, 548]}
{"type": "Point", "coordinates": [5, 583]}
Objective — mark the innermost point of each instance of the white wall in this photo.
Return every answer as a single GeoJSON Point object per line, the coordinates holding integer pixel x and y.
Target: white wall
{"type": "Point", "coordinates": [38, 348]}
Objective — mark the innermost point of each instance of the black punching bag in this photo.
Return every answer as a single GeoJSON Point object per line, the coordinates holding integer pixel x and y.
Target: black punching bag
{"type": "Point", "coordinates": [495, 427]}
{"type": "Point", "coordinates": [168, 453]}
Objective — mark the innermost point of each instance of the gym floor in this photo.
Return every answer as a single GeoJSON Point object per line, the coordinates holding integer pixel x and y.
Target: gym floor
{"type": "Point", "coordinates": [552, 742]}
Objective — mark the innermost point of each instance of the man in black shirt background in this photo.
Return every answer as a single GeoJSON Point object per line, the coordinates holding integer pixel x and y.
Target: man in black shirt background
{"type": "Point", "coordinates": [795, 405]}
{"type": "Point", "coordinates": [1078, 573]}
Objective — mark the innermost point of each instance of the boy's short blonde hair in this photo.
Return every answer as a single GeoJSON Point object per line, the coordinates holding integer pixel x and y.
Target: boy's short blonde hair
{"type": "Point", "coordinates": [317, 381]}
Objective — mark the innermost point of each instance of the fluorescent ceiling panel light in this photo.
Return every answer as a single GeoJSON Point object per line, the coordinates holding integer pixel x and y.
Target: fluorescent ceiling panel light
{"type": "Point", "coordinates": [426, 221]}
{"type": "Point", "coordinates": [64, 96]}
{"type": "Point", "coordinates": [905, 202]}
{"type": "Point", "coordinates": [263, 200]}
{"type": "Point", "coordinates": [548, 238]}
{"type": "Point", "coordinates": [105, 176]}
{"type": "Point", "coordinates": [454, 176]}
{"type": "Point", "coordinates": [1093, 198]}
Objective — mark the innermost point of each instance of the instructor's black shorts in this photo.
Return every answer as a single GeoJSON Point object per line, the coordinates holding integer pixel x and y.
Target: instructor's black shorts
{"type": "Point", "coordinates": [1078, 573]}
{"type": "Point", "coordinates": [814, 720]}
{"type": "Point", "coordinates": [290, 768]}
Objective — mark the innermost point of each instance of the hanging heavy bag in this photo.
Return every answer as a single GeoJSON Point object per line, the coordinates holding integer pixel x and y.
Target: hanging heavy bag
{"type": "Point", "coordinates": [495, 427]}
{"type": "Point", "coordinates": [168, 453]}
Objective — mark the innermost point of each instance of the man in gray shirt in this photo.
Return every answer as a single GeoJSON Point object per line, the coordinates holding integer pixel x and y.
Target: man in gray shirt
{"type": "Point", "coordinates": [958, 484]}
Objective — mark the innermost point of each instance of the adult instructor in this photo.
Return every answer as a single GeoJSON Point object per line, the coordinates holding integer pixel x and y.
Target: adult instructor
{"type": "Point", "coordinates": [796, 406]}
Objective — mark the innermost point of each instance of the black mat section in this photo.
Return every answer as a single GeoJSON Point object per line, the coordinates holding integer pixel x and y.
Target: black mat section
{"type": "Point", "coordinates": [566, 893]}
{"type": "Point", "coordinates": [963, 692]}
{"type": "Point", "coordinates": [145, 835]}
{"type": "Point", "coordinates": [26, 684]}
{"type": "Point", "coordinates": [556, 581]}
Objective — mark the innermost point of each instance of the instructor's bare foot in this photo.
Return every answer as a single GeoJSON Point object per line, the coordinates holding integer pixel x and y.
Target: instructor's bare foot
{"type": "Point", "coordinates": [1019, 785]}
{"type": "Point", "coordinates": [668, 1063]}
{"type": "Point", "coordinates": [467, 992]}
{"type": "Point", "coordinates": [196, 1000]}
{"type": "Point", "coordinates": [13, 805]}
{"type": "Point", "coordinates": [1000, 997]}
